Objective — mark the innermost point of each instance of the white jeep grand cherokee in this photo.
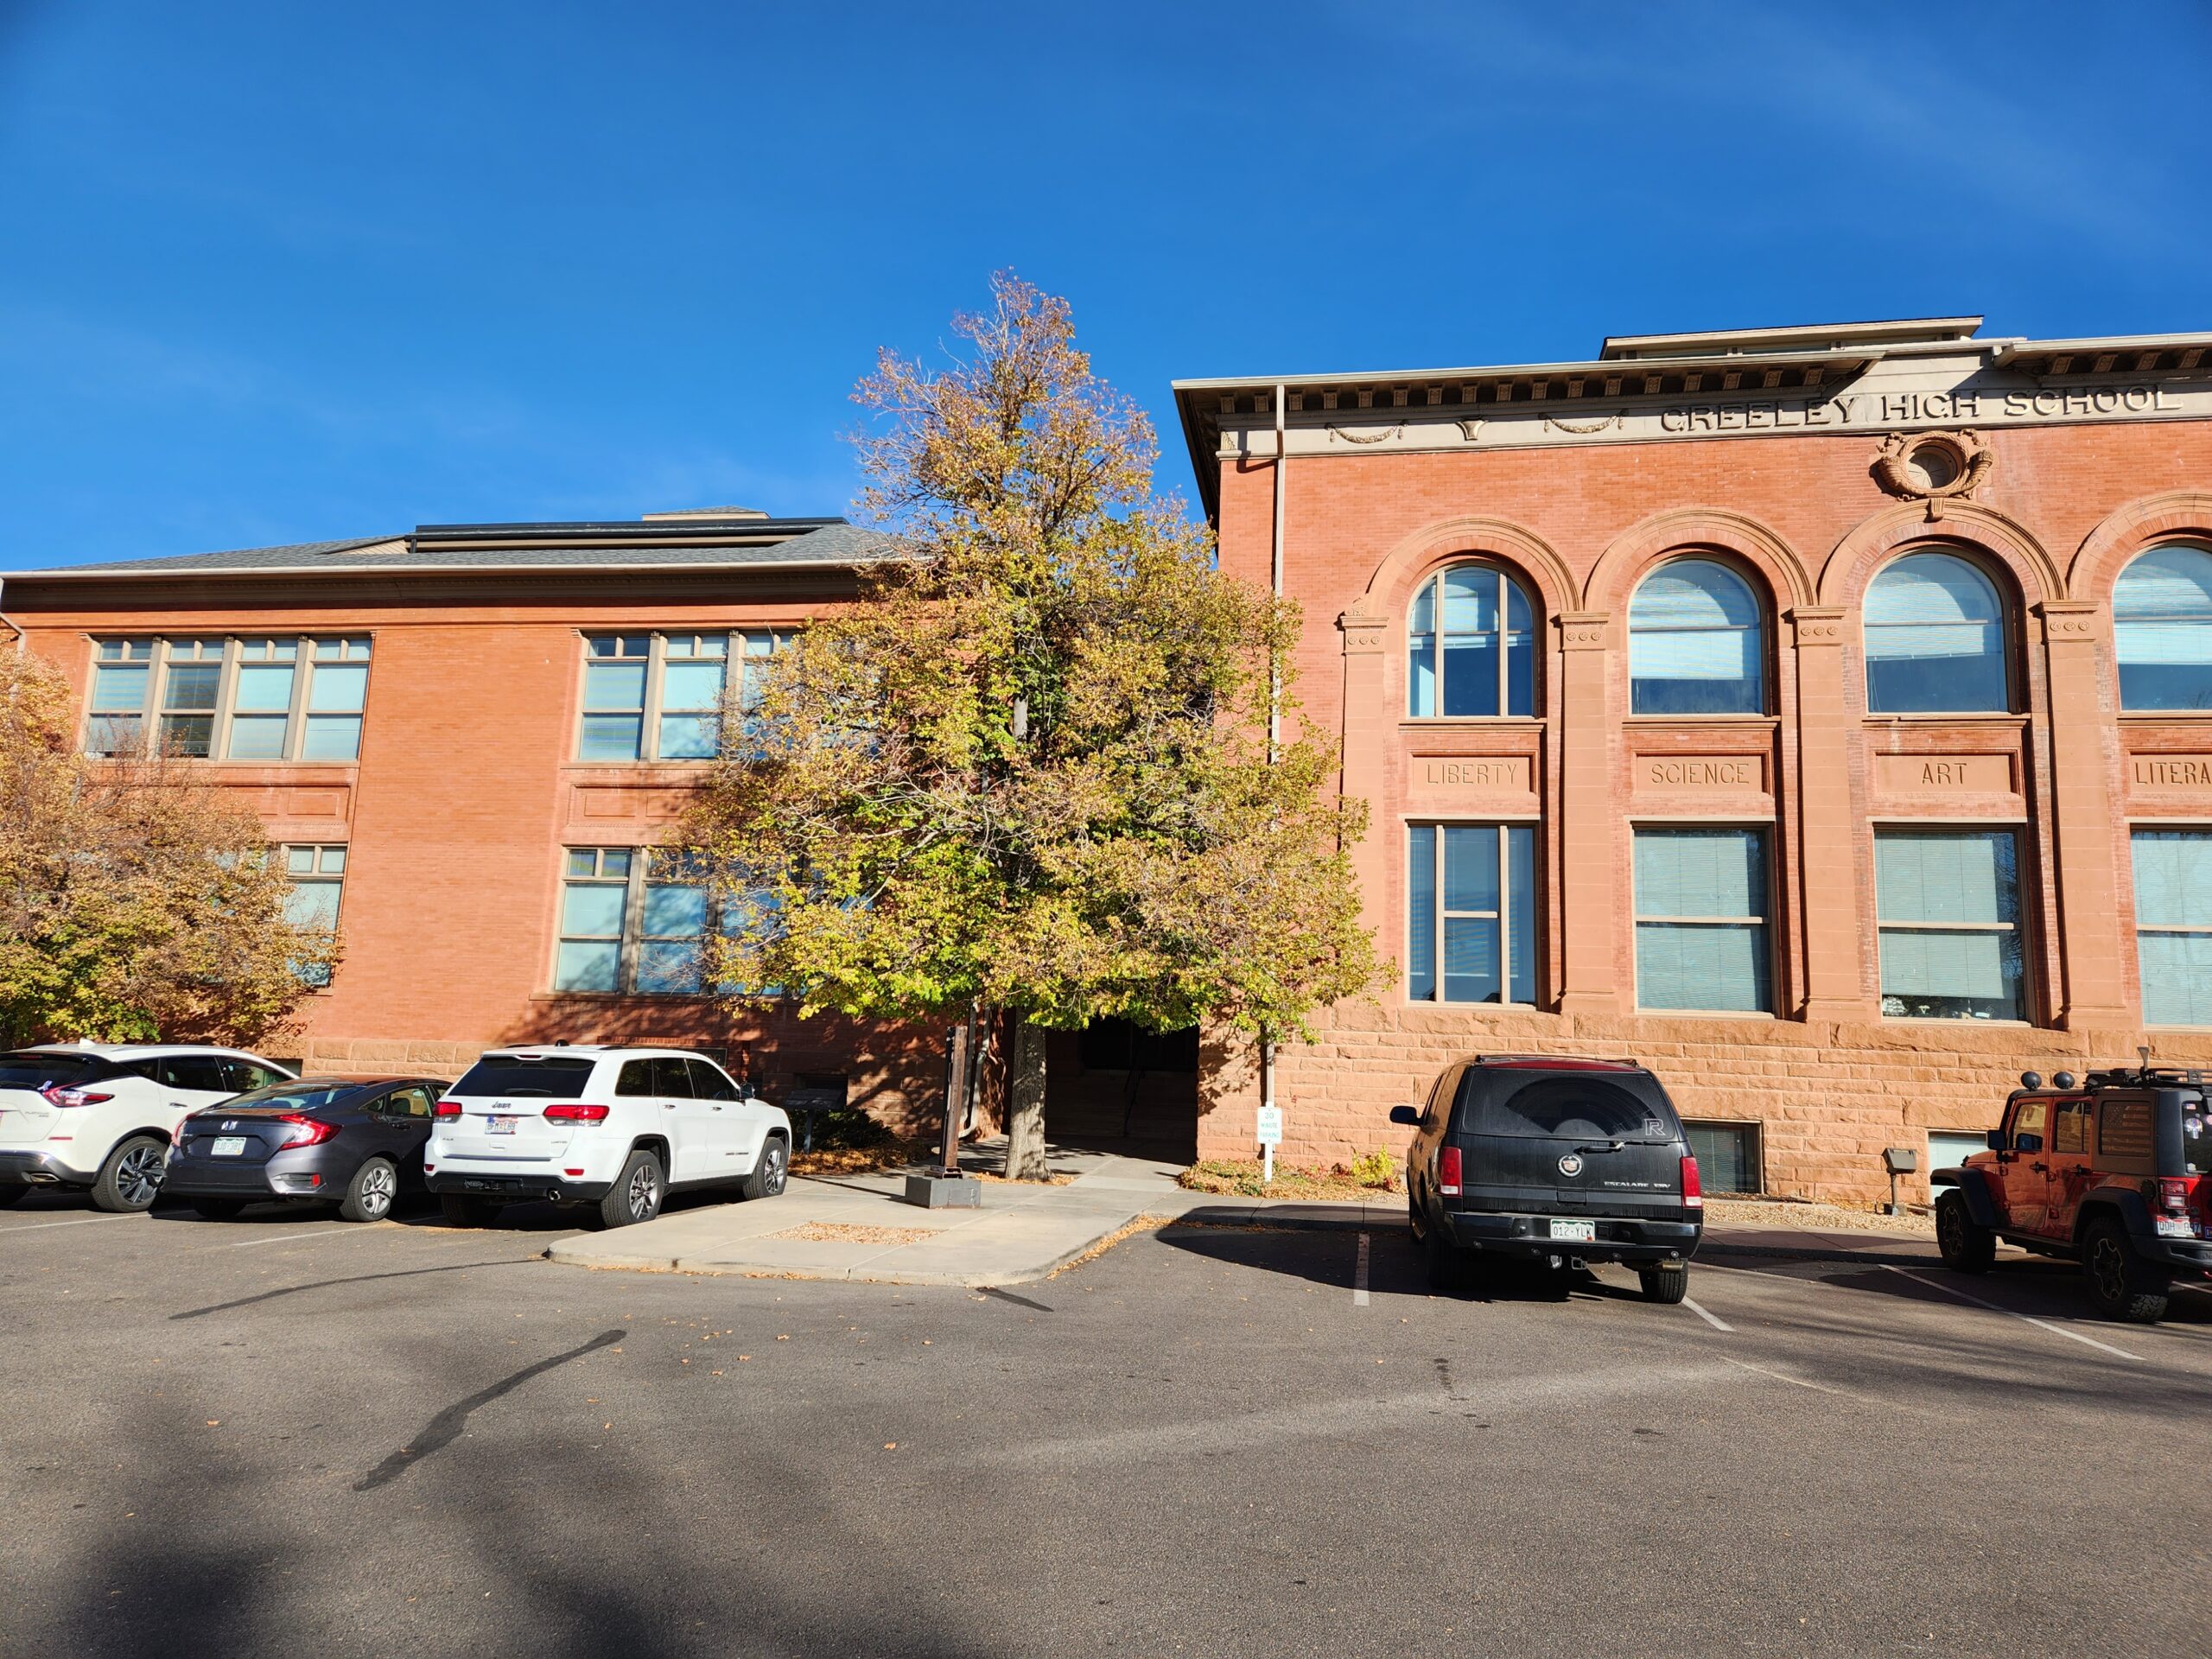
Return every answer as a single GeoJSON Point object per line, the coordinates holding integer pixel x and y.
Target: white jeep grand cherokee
{"type": "Point", "coordinates": [616, 1128]}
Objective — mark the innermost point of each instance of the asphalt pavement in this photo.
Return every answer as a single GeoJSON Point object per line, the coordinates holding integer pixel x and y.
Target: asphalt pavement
{"type": "Point", "coordinates": [284, 1434]}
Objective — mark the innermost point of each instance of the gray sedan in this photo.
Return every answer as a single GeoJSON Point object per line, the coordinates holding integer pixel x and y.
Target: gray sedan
{"type": "Point", "coordinates": [352, 1141]}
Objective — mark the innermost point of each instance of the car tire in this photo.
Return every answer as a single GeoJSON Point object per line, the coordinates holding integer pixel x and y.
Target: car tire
{"type": "Point", "coordinates": [771, 1170]}
{"type": "Point", "coordinates": [2122, 1283]}
{"type": "Point", "coordinates": [217, 1208]}
{"type": "Point", "coordinates": [1967, 1246]}
{"type": "Point", "coordinates": [636, 1194]}
{"type": "Point", "coordinates": [12, 1192]}
{"type": "Point", "coordinates": [1667, 1284]}
{"type": "Point", "coordinates": [371, 1193]}
{"type": "Point", "coordinates": [130, 1179]}
{"type": "Point", "coordinates": [462, 1210]}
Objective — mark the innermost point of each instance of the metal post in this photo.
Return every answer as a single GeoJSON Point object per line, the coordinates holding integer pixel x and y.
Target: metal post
{"type": "Point", "coordinates": [955, 1093]}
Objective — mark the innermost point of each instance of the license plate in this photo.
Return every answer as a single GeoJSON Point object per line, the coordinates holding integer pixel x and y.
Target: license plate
{"type": "Point", "coordinates": [1575, 1232]}
{"type": "Point", "coordinates": [230, 1145]}
{"type": "Point", "coordinates": [500, 1125]}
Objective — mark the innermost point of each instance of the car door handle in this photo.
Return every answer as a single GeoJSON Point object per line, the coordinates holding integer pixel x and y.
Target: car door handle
{"type": "Point", "coordinates": [2040, 1169]}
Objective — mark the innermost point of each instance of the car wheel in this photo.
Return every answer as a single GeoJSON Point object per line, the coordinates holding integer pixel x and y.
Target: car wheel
{"type": "Point", "coordinates": [1668, 1283]}
{"type": "Point", "coordinates": [132, 1178]}
{"type": "Point", "coordinates": [770, 1171]}
{"type": "Point", "coordinates": [371, 1193]}
{"type": "Point", "coordinates": [1966, 1246]}
{"type": "Point", "coordinates": [636, 1191]}
{"type": "Point", "coordinates": [2122, 1283]}
{"type": "Point", "coordinates": [462, 1210]}
{"type": "Point", "coordinates": [217, 1208]}
{"type": "Point", "coordinates": [12, 1192]}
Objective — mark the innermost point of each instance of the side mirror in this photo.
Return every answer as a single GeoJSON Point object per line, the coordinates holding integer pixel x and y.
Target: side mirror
{"type": "Point", "coordinates": [1409, 1115]}
{"type": "Point", "coordinates": [2027, 1143]}
{"type": "Point", "coordinates": [1998, 1142]}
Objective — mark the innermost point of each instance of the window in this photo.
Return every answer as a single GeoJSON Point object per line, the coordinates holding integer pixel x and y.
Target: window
{"type": "Point", "coordinates": [1695, 645]}
{"type": "Point", "coordinates": [515, 1075]}
{"type": "Point", "coordinates": [1935, 639]}
{"type": "Point", "coordinates": [406, 1103]}
{"type": "Point", "coordinates": [632, 920]}
{"type": "Point", "coordinates": [2162, 629]}
{"type": "Point", "coordinates": [1471, 922]}
{"type": "Point", "coordinates": [2028, 1121]}
{"type": "Point", "coordinates": [1727, 1155]}
{"type": "Point", "coordinates": [2070, 1129]}
{"type": "Point", "coordinates": [1949, 905]}
{"type": "Point", "coordinates": [1471, 645]}
{"type": "Point", "coordinates": [2173, 924]}
{"type": "Point", "coordinates": [318, 876]}
{"type": "Point", "coordinates": [2125, 1126]}
{"type": "Point", "coordinates": [278, 697]}
{"type": "Point", "coordinates": [1702, 940]}
{"type": "Point", "coordinates": [658, 696]}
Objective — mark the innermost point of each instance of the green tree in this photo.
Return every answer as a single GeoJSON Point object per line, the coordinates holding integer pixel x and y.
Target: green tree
{"type": "Point", "coordinates": [1029, 770]}
{"type": "Point", "coordinates": [135, 900]}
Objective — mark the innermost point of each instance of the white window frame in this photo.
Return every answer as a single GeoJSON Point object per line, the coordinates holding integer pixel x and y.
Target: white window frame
{"type": "Point", "coordinates": [1506, 579]}
{"type": "Point", "coordinates": [738, 650]}
{"type": "Point", "coordinates": [231, 653]}
{"type": "Point", "coordinates": [1505, 958]}
{"type": "Point", "coordinates": [631, 943]}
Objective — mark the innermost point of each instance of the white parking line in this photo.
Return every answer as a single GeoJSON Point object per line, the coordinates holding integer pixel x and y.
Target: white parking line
{"type": "Point", "coordinates": [81, 1221]}
{"type": "Point", "coordinates": [287, 1238]}
{"type": "Point", "coordinates": [2041, 1325]}
{"type": "Point", "coordinates": [1359, 1275]}
{"type": "Point", "coordinates": [1716, 1322]}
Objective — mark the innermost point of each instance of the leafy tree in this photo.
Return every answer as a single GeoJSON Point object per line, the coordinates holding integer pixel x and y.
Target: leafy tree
{"type": "Point", "coordinates": [1029, 772]}
{"type": "Point", "coordinates": [135, 900]}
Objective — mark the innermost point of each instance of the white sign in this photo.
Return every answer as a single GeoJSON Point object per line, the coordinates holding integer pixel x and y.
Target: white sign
{"type": "Point", "coordinates": [1270, 1132]}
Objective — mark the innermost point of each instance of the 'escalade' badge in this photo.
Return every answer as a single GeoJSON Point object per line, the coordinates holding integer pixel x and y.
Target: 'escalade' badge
{"type": "Point", "coordinates": [1571, 1165]}
{"type": "Point", "coordinates": [229, 1123]}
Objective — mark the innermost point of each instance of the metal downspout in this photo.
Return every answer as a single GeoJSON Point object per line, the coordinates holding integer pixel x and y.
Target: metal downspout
{"type": "Point", "coordinates": [1275, 736]}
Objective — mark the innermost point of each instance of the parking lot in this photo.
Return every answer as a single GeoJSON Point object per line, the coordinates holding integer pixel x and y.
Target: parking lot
{"type": "Point", "coordinates": [281, 1434]}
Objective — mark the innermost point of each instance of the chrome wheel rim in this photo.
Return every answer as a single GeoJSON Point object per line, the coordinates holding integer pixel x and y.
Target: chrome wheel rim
{"type": "Point", "coordinates": [644, 1187]}
{"type": "Point", "coordinates": [776, 1167]}
{"type": "Point", "coordinates": [2108, 1268]}
{"type": "Point", "coordinates": [138, 1176]}
{"type": "Point", "coordinates": [378, 1185]}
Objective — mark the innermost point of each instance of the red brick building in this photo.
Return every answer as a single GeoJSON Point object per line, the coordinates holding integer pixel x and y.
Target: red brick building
{"type": "Point", "coordinates": [468, 740]}
{"type": "Point", "coordinates": [1822, 716]}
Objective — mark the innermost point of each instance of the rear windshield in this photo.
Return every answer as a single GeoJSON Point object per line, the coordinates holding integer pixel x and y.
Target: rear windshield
{"type": "Point", "coordinates": [290, 1096]}
{"type": "Point", "coordinates": [2197, 1138]}
{"type": "Point", "coordinates": [510, 1074]}
{"type": "Point", "coordinates": [1571, 1105]}
{"type": "Point", "coordinates": [35, 1071]}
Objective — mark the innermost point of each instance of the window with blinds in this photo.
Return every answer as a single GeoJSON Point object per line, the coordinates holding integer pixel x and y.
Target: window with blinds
{"type": "Point", "coordinates": [1935, 631]}
{"type": "Point", "coordinates": [2173, 924]}
{"type": "Point", "coordinates": [1702, 902]}
{"type": "Point", "coordinates": [1471, 645]}
{"type": "Point", "coordinates": [1695, 643]}
{"type": "Point", "coordinates": [2162, 629]}
{"type": "Point", "coordinates": [1948, 902]}
{"type": "Point", "coordinates": [1471, 912]}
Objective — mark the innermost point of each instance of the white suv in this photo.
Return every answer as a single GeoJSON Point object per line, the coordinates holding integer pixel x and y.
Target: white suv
{"type": "Point", "coordinates": [100, 1115]}
{"type": "Point", "coordinates": [616, 1128]}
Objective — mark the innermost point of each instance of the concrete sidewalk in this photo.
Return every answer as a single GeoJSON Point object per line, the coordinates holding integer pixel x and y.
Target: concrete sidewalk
{"type": "Point", "coordinates": [859, 1226]}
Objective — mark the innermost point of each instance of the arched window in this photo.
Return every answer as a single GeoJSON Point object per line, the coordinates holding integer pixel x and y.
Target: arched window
{"type": "Point", "coordinates": [1471, 645]}
{"type": "Point", "coordinates": [1935, 639]}
{"type": "Point", "coordinates": [1694, 643]}
{"type": "Point", "coordinates": [2162, 629]}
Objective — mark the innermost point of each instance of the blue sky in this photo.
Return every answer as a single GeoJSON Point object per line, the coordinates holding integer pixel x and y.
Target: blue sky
{"type": "Point", "coordinates": [282, 273]}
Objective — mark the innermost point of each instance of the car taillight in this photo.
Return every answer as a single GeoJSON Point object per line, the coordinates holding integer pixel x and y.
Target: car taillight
{"type": "Point", "coordinates": [576, 1113]}
{"type": "Point", "coordinates": [2173, 1195]}
{"type": "Point", "coordinates": [445, 1109]}
{"type": "Point", "coordinates": [306, 1131]}
{"type": "Point", "coordinates": [57, 1095]}
{"type": "Point", "coordinates": [177, 1134]}
{"type": "Point", "coordinates": [1448, 1172]}
{"type": "Point", "coordinates": [1693, 1190]}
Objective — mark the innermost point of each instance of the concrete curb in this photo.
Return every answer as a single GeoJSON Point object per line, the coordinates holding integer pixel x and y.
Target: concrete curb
{"type": "Point", "coordinates": [860, 1275]}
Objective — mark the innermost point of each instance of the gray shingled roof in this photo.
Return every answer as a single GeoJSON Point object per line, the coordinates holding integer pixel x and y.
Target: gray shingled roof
{"type": "Point", "coordinates": [834, 543]}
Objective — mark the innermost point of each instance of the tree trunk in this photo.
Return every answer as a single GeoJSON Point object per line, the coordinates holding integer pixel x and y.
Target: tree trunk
{"type": "Point", "coordinates": [1024, 1119]}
